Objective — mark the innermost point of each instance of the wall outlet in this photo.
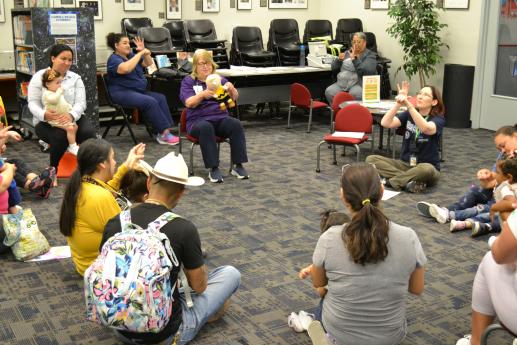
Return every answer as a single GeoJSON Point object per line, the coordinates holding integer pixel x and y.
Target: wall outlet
{"type": "Point", "coordinates": [161, 15]}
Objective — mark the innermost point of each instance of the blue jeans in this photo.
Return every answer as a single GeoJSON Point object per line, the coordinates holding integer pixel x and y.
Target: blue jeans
{"type": "Point", "coordinates": [222, 284]}
{"type": "Point", "coordinates": [475, 196]}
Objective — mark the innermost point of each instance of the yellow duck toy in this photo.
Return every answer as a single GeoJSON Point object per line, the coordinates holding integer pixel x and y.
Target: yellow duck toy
{"type": "Point", "coordinates": [213, 83]}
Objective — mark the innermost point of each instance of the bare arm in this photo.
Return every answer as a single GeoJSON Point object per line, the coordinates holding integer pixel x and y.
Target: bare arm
{"type": "Point", "coordinates": [416, 281]}
{"type": "Point", "coordinates": [319, 276]}
{"type": "Point", "coordinates": [504, 249]}
{"type": "Point", "coordinates": [389, 120]}
{"type": "Point", "coordinates": [195, 100]}
{"type": "Point", "coordinates": [197, 278]}
{"type": "Point", "coordinates": [129, 65]}
{"type": "Point", "coordinates": [427, 127]}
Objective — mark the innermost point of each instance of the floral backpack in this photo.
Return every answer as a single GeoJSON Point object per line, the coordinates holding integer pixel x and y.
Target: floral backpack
{"type": "Point", "coordinates": [128, 286]}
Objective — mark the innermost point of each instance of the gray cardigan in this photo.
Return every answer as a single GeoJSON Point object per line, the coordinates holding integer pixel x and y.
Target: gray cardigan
{"type": "Point", "coordinates": [366, 64]}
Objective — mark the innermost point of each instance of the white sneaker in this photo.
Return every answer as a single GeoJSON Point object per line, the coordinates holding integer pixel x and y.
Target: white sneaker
{"type": "Point", "coordinates": [441, 214]}
{"type": "Point", "coordinates": [73, 149]}
{"type": "Point", "coordinates": [464, 341]}
{"type": "Point", "coordinates": [293, 321]}
{"type": "Point", "coordinates": [305, 319]}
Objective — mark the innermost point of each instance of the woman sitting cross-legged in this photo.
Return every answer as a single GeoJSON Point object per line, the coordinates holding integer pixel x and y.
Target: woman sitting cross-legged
{"type": "Point", "coordinates": [419, 163]}
{"type": "Point", "coordinates": [206, 119]}
{"type": "Point", "coordinates": [92, 198]}
{"type": "Point", "coordinates": [127, 85]}
{"type": "Point", "coordinates": [368, 265]}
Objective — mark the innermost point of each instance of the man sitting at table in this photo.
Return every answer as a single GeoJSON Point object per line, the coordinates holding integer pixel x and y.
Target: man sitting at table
{"type": "Point", "coordinates": [352, 65]}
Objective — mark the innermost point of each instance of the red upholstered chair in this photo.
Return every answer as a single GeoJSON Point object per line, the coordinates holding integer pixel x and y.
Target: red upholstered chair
{"type": "Point", "coordinates": [339, 98]}
{"type": "Point", "coordinates": [301, 98]}
{"type": "Point", "coordinates": [352, 118]}
{"type": "Point", "coordinates": [183, 135]}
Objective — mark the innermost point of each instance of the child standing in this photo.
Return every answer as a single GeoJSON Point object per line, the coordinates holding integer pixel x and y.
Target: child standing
{"type": "Point", "coordinates": [53, 99]}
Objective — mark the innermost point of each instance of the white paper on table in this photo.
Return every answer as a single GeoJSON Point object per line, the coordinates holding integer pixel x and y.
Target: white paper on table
{"type": "Point", "coordinates": [354, 135]}
{"type": "Point", "coordinates": [388, 194]}
{"type": "Point", "coordinates": [54, 253]}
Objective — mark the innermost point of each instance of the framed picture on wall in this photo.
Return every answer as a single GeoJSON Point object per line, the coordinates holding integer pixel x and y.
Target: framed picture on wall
{"type": "Point", "coordinates": [64, 3]}
{"type": "Point", "coordinates": [134, 5]}
{"type": "Point", "coordinates": [244, 4]}
{"type": "Point", "coordinates": [173, 9]}
{"type": "Point", "coordinates": [96, 5]}
{"type": "Point", "coordinates": [2, 12]}
{"type": "Point", "coordinates": [380, 4]}
{"type": "Point", "coordinates": [211, 5]}
{"type": "Point", "coordinates": [288, 3]}
{"type": "Point", "coordinates": [456, 4]}
{"type": "Point", "coordinates": [40, 3]}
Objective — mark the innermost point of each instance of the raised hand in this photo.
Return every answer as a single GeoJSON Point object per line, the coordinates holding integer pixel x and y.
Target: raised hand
{"type": "Point", "coordinates": [135, 155]}
{"type": "Point", "coordinates": [404, 90]}
{"type": "Point", "coordinates": [139, 43]}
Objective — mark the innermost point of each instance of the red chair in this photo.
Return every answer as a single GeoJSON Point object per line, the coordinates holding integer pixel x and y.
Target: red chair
{"type": "Point", "coordinates": [301, 98]}
{"type": "Point", "coordinates": [183, 135]}
{"type": "Point", "coordinates": [339, 98]}
{"type": "Point", "coordinates": [352, 118]}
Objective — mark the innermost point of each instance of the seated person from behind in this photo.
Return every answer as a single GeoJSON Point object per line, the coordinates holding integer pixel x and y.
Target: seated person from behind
{"type": "Point", "coordinates": [128, 86]}
{"type": "Point", "coordinates": [133, 185]}
{"type": "Point", "coordinates": [207, 119]}
{"type": "Point", "coordinates": [419, 163]}
{"type": "Point", "coordinates": [54, 99]}
{"type": "Point", "coordinates": [352, 66]}
{"type": "Point", "coordinates": [213, 289]}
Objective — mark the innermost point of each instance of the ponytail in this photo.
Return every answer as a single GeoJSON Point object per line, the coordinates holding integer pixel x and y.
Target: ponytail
{"type": "Point", "coordinates": [68, 207]}
{"type": "Point", "coordinates": [366, 236]}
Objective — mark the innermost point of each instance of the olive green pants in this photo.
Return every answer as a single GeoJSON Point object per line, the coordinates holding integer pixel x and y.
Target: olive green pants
{"type": "Point", "coordinates": [399, 173]}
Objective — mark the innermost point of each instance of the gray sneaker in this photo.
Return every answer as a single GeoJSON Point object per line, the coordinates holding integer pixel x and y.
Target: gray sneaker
{"type": "Point", "coordinates": [215, 175]}
{"type": "Point", "coordinates": [441, 214]}
{"type": "Point", "coordinates": [423, 209]}
{"type": "Point", "coordinates": [239, 171]}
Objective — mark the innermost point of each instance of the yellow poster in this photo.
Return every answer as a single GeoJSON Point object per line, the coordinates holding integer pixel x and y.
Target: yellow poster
{"type": "Point", "coordinates": [371, 88]}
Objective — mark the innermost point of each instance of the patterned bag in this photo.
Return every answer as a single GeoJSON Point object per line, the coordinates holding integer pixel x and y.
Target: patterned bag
{"type": "Point", "coordinates": [128, 286]}
{"type": "Point", "coordinates": [23, 236]}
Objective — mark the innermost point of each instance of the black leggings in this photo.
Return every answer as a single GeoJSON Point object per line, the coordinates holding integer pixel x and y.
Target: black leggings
{"type": "Point", "coordinates": [56, 138]}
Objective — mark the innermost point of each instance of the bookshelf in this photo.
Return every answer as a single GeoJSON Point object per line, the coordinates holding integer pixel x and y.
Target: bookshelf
{"type": "Point", "coordinates": [35, 31]}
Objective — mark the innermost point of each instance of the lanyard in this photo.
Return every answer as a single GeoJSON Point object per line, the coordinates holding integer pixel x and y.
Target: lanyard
{"type": "Point", "coordinates": [417, 131]}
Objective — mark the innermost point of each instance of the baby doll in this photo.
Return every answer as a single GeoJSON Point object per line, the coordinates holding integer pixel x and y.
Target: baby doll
{"type": "Point", "coordinates": [53, 99]}
{"type": "Point", "coordinates": [213, 83]}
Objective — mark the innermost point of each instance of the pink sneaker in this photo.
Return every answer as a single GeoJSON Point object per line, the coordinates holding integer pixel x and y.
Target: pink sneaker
{"type": "Point", "coordinates": [167, 139]}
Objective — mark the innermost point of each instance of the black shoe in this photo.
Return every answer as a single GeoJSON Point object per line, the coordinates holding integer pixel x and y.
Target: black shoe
{"type": "Point", "coordinates": [480, 229]}
{"type": "Point", "coordinates": [416, 187]}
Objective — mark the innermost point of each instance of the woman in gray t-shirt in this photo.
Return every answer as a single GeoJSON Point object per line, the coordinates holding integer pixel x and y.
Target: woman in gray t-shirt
{"type": "Point", "coordinates": [369, 265]}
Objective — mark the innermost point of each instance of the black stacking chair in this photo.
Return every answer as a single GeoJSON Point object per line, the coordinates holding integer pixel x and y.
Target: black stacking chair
{"type": "Point", "coordinates": [317, 28]}
{"type": "Point", "coordinates": [120, 111]}
{"type": "Point", "coordinates": [177, 32]}
{"type": "Point", "coordinates": [248, 49]}
{"type": "Point", "coordinates": [158, 41]}
{"type": "Point", "coordinates": [130, 26]}
{"type": "Point", "coordinates": [200, 33]}
{"type": "Point", "coordinates": [284, 40]}
{"type": "Point", "coordinates": [346, 27]}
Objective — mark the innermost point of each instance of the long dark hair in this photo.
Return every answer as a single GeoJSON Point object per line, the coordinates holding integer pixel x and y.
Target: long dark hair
{"type": "Point", "coordinates": [58, 49]}
{"type": "Point", "coordinates": [366, 236]}
{"type": "Point", "coordinates": [91, 153]}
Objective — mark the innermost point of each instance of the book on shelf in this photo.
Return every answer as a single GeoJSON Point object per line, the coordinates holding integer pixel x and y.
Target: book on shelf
{"type": "Point", "coordinates": [25, 60]}
{"type": "Point", "coordinates": [23, 88]}
{"type": "Point", "coordinates": [22, 26]}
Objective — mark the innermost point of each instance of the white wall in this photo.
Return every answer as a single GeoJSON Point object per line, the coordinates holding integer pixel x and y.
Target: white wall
{"type": "Point", "coordinates": [224, 21]}
{"type": "Point", "coordinates": [462, 34]}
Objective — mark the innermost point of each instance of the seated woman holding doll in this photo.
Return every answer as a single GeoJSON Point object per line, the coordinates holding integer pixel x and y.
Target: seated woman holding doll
{"type": "Point", "coordinates": [127, 85]}
{"type": "Point", "coordinates": [207, 118]}
{"type": "Point", "coordinates": [419, 163]}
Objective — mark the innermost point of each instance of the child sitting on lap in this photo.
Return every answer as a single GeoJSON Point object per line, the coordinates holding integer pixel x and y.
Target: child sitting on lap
{"type": "Point", "coordinates": [53, 99]}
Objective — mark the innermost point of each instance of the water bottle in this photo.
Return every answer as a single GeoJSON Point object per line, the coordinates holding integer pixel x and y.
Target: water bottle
{"type": "Point", "coordinates": [302, 56]}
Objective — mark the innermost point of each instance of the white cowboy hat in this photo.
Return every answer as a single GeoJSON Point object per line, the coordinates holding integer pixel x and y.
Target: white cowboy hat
{"type": "Point", "coordinates": [173, 168]}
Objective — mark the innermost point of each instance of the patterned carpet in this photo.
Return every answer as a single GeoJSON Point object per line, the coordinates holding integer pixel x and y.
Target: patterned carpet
{"type": "Point", "coordinates": [267, 227]}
